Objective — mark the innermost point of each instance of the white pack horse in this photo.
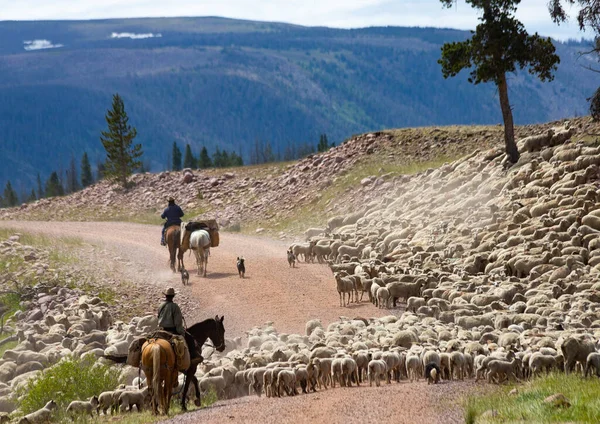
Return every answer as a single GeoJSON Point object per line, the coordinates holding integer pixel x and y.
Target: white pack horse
{"type": "Point", "coordinates": [200, 244]}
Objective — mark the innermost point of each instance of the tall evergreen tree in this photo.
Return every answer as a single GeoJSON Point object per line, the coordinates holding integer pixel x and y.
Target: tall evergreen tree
{"type": "Point", "coordinates": [204, 160]}
{"type": "Point", "coordinates": [189, 161]}
{"type": "Point", "coordinates": [72, 184]}
{"type": "Point", "coordinates": [32, 197]}
{"type": "Point", "coordinates": [40, 189]}
{"type": "Point", "coordinates": [9, 196]}
{"type": "Point", "coordinates": [100, 171]}
{"type": "Point", "coordinates": [176, 155]}
{"type": "Point", "coordinates": [87, 178]}
{"type": "Point", "coordinates": [54, 186]}
{"type": "Point", "coordinates": [122, 156]}
{"type": "Point", "coordinates": [323, 145]}
{"type": "Point", "coordinates": [498, 46]}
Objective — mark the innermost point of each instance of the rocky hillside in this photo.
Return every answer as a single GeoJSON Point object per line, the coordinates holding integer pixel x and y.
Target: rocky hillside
{"type": "Point", "coordinates": [285, 198]}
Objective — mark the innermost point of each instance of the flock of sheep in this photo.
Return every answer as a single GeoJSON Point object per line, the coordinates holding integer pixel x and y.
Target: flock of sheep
{"type": "Point", "coordinates": [495, 271]}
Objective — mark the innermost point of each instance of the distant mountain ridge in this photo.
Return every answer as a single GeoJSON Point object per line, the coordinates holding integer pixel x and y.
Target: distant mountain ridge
{"type": "Point", "coordinates": [228, 83]}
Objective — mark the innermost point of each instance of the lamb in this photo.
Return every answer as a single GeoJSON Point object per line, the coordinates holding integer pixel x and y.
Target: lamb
{"type": "Point", "coordinates": [350, 251]}
{"type": "Point", "coordinates": [344, 285]}
{"type": "Point", "coordinates": [286, 379]}
{"type": "Point", "coordinates": [83, 407]}
{"type": "Point", "coordinates": [135, 397]}
{"type": "Point", "coordinates": [413, 365]}
{"type": "Point", "coordinates": [108, 400]}
{"type": "Point", "coordinates": [377, 371]}
{"type": "Point", "coordinates": [41, 415]}
{"type": "Point", "coordinates": [498, 368]}
{"type": "Point", "coordinates": [383, 297]}
{"type": "Point", "coordinates": [538, 362]}
{"type": "Point", "coordinates": [350, 371]}
{"type": "Point", "coordinates": [592, 361]}
{"type": "Point", "coordinates": [457, 365]}
{"type": "Point", "coordinates": [216, 382]}
{"type": "Point", "coordinates": [321, 253]}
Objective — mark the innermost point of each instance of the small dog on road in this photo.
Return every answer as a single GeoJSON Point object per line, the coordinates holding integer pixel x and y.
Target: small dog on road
{"type": "Point", "coordinates": [241, 267]}
{"type": "Point", "coordinates": [185, 277]}
{"type": "Point", "coordinates": [291, 258]}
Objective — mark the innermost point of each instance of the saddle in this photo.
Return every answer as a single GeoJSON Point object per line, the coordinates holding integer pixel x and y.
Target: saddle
{"type": "Point", "coordinates": [178, 344]}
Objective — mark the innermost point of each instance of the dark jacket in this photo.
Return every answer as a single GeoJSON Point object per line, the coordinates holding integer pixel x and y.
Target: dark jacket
{"type": "Point", "coordinates": [172, 214]}
{"type": "Point", "coordinates": [169, 316]}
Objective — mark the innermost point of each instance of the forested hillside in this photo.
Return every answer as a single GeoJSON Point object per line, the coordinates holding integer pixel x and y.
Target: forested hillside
{"type": "Point", "coordinates": [229, 84]}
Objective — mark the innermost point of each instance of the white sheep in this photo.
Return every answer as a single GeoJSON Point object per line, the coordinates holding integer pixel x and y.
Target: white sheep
{"type": "Point", "coordinates": [83, 407]}
{"type": "Point", "coordinates": [286, 380]}
{"type": "Point", "coordinates": [136, 397]}
{"type": "Point", "coordinates": [42, 415]}
{"type": "Point", "coordinates": [413, 367]}
{"type": "Point", "coordinates": [377, 370]}
{"type": "Point", "coordinates": [383, 298]}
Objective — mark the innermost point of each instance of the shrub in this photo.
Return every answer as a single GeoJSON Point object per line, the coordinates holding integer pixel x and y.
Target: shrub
{"type": "Point", "coordinates": [71, 379]}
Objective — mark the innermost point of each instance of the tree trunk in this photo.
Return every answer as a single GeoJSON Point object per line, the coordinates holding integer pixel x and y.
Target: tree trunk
{"type": "Point", "coordinates": [509, 128]}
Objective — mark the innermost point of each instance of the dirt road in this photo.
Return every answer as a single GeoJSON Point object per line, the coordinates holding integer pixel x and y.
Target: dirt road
{"type": "Point", "coordinates": [271, 291]}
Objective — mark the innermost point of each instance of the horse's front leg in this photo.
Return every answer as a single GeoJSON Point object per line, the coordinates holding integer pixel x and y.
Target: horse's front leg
{"type": "Point", "coordinates": [185, 390]}
{"type": "Point", "coordinates": [198, 401]}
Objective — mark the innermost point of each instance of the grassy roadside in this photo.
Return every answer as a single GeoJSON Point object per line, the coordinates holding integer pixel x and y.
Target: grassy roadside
{"type": "Point", "coordinates": [527, 405]}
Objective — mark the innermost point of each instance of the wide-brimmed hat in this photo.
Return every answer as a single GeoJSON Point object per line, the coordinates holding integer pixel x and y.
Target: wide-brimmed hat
{"type": "Point", "coordinates": [170, 199]}
{"type": "Point", "coordinates": [169, 292]}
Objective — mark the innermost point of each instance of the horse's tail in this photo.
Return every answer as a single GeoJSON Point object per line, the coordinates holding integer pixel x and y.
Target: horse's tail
{"type": "Point", "coordinates": [157, 390]}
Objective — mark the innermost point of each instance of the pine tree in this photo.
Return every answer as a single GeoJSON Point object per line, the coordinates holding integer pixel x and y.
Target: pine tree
{"type": "Point", "coordinates": [40, 189]}
{"type": "Point", "coordinates": [72, 185]}
{"type": "Point", "coordinates": [121, 154]}
{"type": "Point", "coordinates": [204, 160]}
{"type": "Point", "coordinates": [499, 45]}
{"type": "Point", "coordinates": [217, 159]}
{"type": "Point", "coordinates": [176, 155]}
{"type": "Point", "coordinates": [323, 145]}
{"type": "Point", "coordinates": [9, 196]}
{"type": "Point", "coordinates": [189, 161]}
{"type": "Point", "coordinates": [100, 171]}
{"type": "Point", "coordinates": [86, 171]}
{"type": "Point", "coordinates": [32, 197]}
{"type": "Point", "coordinates": [54, 186]}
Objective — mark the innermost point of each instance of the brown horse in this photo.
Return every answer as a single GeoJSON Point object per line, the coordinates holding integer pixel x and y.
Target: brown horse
{"type": "Point", "coordinates": [158, 364]}
{"type": "Point", "coordinates": [173, 241]}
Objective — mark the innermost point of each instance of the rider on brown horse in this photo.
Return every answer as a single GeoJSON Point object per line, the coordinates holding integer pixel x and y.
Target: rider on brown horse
{"type": "Point", "coordinates": [172, 214]}
{"type": "Point", "coordinates": [170, 319]}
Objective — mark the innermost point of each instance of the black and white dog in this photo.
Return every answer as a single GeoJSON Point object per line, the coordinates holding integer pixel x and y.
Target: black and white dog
{"type": "Point", "coordinates": [241, 267]}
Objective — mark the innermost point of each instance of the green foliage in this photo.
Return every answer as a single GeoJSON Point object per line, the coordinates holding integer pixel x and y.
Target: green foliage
{"type": "Point", "coordinates": [72, 183]}
{"type": "Point", "coordinates": [499, 45]}
{"type": "Point", "coordinates": [324, 145]}
{"type": "Point", "coordinates": [528, 406]}
{"type": "Point", "coordinates": [40, 189]}
{"type": "Point", "coordinates": [588, 15]}
{"type": "Point", "coordinates": [595, 105]}
{"type": "Point", "coordinates": [86, 171]}
{"type": "Point", "coordinates": [54, 186]}
{"type": "Point", "coordinates": [189, 160]}
{"type": "Point", "coordinates": [71, 379]}
{"type": "Point", "coordinates": [176, 156]}
{"type": "Point", "coordinates": [204, 161]}
{"type": "Point", "coordinates": [32, 197]}
{"type": "Point", "coordinates": [9, 197]}
{"type": "Point", "coordinates": [122, 156]}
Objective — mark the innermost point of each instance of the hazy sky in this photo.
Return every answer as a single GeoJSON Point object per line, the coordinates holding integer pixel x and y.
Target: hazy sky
{"type": "Point", "coordinates": [333, 13]}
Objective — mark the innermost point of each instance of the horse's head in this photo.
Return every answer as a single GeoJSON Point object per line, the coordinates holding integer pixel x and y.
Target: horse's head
{"type": "Point", "coordinates": [218, 335]}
